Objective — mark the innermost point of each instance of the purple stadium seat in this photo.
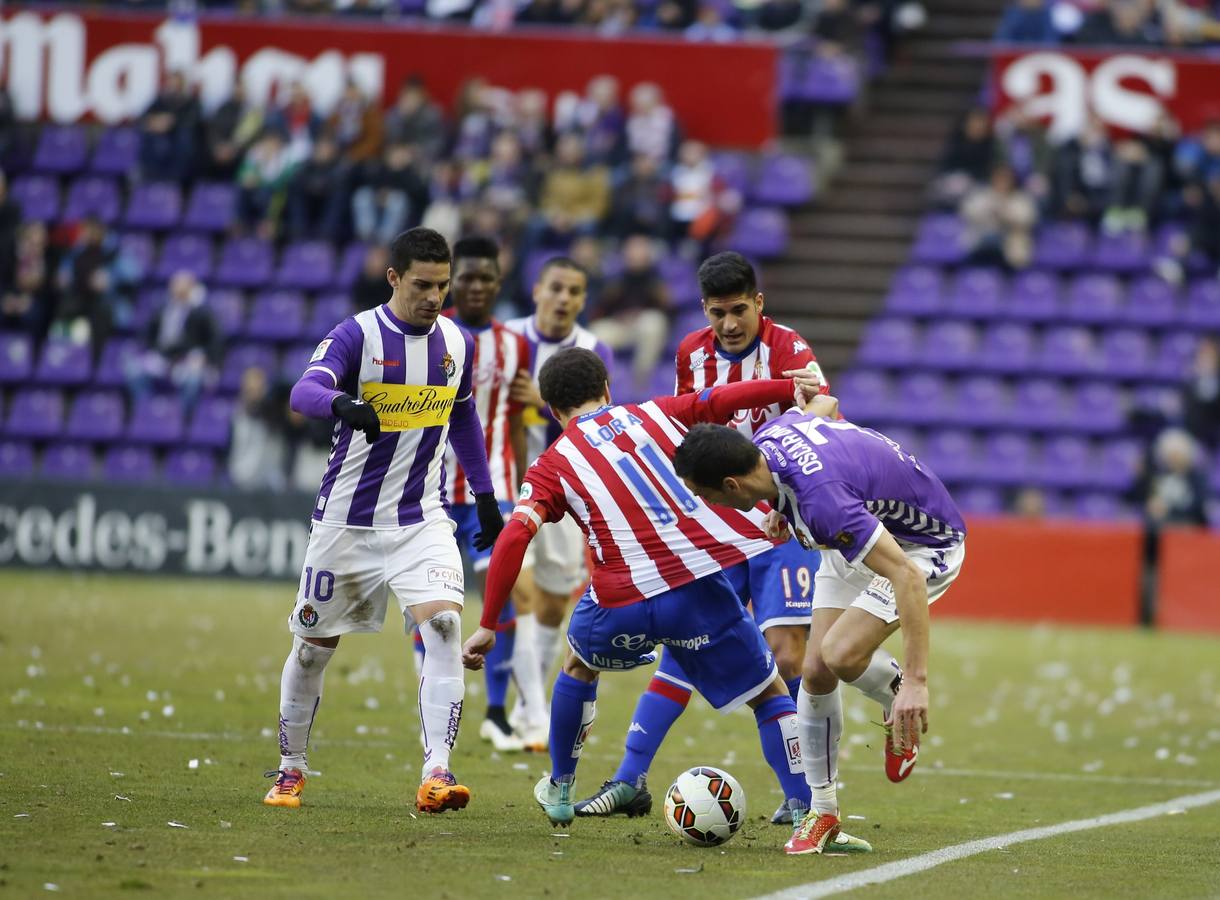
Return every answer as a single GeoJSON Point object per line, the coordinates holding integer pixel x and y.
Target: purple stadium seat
{"type": "Point", "coordinates": [211, 207]}
{"type": "Point", "coordinates": [242, 357]}
{"type": "Point", "coordinates": [1006, 347]}
{"type": "Point", "coordinates": [1093, 299]}
{"type": "Point", "coordinates": [117, 151]}
{"type": "Point", "coordinates": [61, 149]}
{"type": "Point", "coordinates": [35, 413]}
{"type": "Point", "coordinates": [783, 180]}
{"type": "Point", "coordinates": [1006, 459]}
{"type": "Point", "coordinates": [67, 462]}
{"type": "Point", "coordinates": [1062, 245]}
{"type": "Point", "coordinates": [63, 362]}
{"type": "Point", "coordinates": [156, 420]}
{"type": "Point", "coordinates": [980, 501]}
{"type": "Point", "coordinates": [129, 465]}
{"type": "Point", "coordinates": [96, 416]}
{"type": "Point", "coordinates": [889, 343]}
{"type": "Point", "coordinates": [819, 79]}
{"type": "Point", "coordinates": [1162, 399]}
{"type": "Point", "coordinates": [1101, 507]}
{"type": "Point", "coordinates": [1175, 355]}
{"type": "Point", "coordinates": [328, 311]}
{"type": "Point", "coordinates": [1118, 464]}
{"type": "Point", "coordinates": [306, 266]}
{"type": "Point", "coordinates": [680, 277]}
{"type": "Point", "coordinates": [951, 454]}
{"type": "Point", "coordinates": [1068, 350]}
{"type": "Point", "coordinates": [149, 302]}
{"type": "Point", "coordinates": [1203, 304]}
{"type": "Point", "coordinates": [117, 355]}
{"type": "Point", "coordinates": [350, 265]}
{"type": "Point", "coordinates": [1040, 404]}
{"type": "Point", "coordinates": [139, 247]}
{"type": "Point", "coordinates": [277, 316]}
{"type": "Point", "coordinates": [949, 345]}
{"type": "Point", "coordinates": [92, 197]}
{"type": "Point", "coordinates": [909, 439]}
{"type": "Point", "coordinates": [229, 308]}
{"type": "Point", "coordinates": [1127, 252]}
{"type": "Point", "coordinates": [1034, 297]}
{"type": "Point", "coordinates": [981, 402]}
{"type": "Point", "coordinates": [1097, 407]}
{"type": "Point", "coordinates": [187, 466]}
{"type": "Point", "coordinates": [296, 360]}
{"type": "Point", "coordinates": [155, 206]}
{"type": "Point", "coordinates": [16, 459]}
{"type": "Point", "coordinates": [1066, 462]}
{"type": "Point", "coordinates": [940, 240]}
{"type": "Point", "coordinates": [16, 358]}
{"type": "Point", "coordinates": [210, 424]}
{"type": "Point", "coordinates": [185, 252]}
{"type": "Point", "coordinates": [244, 263]}
{"type": "Point", "coordinates": [1151, 303]}
{"type": "Point", "coordinates": [1126, 353]}
{"type": "Point", "coordinates": [977, 293]}
{"type": "Point", "coordinates": [916, 291]}
{"type": "Point", "coordinates": [735, 170]}
{"type": "Point", "coordinates": [761, 232]}
{"type": "Point", "coordinates": [38, 197]}
{"type": "Point", "coordinates": [920, 398]}
{"type": "Point", "coordinates": [864, 396]}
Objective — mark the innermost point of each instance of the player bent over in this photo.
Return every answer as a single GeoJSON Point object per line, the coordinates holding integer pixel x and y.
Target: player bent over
{"type": "Point", "coordinates": [894, 541]}
{"type": "Point", "coordinates": [660, 557]}
{"type": "Point", "coordinates": [399, 380]}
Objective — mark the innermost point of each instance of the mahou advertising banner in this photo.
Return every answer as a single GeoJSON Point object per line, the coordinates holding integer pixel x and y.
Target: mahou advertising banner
{"type": "Point", "coordinates": [67, 66]}
{"type": "Point", "coordinates": [1129, 91]}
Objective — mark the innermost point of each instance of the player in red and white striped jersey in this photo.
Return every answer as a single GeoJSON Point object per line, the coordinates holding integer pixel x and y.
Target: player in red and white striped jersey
{"type": "Point", "coordinates": [660, 557]}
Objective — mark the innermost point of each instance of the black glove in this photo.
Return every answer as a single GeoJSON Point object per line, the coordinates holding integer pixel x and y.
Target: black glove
{"type": "Point", "coordinates": [491, 522]}
{"type": "Point", "coordinates": [357, 414]}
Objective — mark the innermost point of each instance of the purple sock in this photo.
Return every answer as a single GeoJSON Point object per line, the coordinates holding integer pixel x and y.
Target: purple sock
{"type": "Point", "coordinates": [573, 705]}
{"type": "Point", "coordinates": [776, 720]}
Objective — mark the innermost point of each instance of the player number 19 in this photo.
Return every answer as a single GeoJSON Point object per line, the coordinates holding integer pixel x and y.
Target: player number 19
{"type": "Point", "coordinates": [803, 580]}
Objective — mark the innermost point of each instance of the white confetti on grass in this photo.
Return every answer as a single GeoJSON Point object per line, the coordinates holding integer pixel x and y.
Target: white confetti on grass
{"type": "Point", "coordinates": [50, 886]}
{"type": "Point", "coordinates": [504, 878]}
{"type": "Point", "coordinates": [241, 859]}
{"type": "Point", "coordinates": [1005, 795]}
{"type": "Point", "coordinates": [109, 824]}
{"type": "Point", "coordinates": [192, 764]}
{"type": "Point", "coordinates": [121, 797]}
{"type": "Point", "coordinates": [177, 825]}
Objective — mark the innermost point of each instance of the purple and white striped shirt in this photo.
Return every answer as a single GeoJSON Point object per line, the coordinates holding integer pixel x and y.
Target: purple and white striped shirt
{"type": "Point", "coordinates": [397, 480]}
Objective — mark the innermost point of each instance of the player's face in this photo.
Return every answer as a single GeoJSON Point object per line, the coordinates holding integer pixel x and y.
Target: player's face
{"type": "Point", "coordinates": [476, 284]}
{"type": "Point", "coordinates": [729, 494]}
{"type": "Point", "coordinates": [419, 292]}
{"type": "Point", "coordinates": [559, 296]}
{"type": "Point", "coordinates": [735, 320]}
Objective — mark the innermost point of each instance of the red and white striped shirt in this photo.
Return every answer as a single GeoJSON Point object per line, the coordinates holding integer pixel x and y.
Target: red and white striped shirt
{"type": "Point", "coordinates": [498, 355]}
{"type": "Point", "coordinates": [700, 364]}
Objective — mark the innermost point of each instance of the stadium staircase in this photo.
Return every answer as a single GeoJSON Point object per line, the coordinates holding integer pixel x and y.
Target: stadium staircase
{"type": "Point", "coordinates": [846, 246]}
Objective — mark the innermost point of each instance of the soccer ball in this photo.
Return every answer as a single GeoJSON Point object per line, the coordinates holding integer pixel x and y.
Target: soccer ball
{"type": "Point", "coordinates": [705, 806]}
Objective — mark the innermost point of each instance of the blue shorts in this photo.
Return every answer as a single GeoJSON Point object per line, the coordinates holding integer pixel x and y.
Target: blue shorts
{"type": "Point", "coordinates": [466, 517]}
{"type": "Point", "coordinates": [702, 625]}
{"type": "Point", "coordinates": [778, 584]}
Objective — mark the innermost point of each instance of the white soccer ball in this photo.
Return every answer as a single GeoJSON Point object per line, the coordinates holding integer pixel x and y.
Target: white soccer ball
{"type": "Point", "coordinates": [705, 806]}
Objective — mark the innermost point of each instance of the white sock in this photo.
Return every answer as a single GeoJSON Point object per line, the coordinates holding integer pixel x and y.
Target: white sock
{"type": "Point", "coordinates": [819, 719]}
{"type": "Point", "coordinates": [441, 688]}
{"type": "Point", "coordinates": [527, 672]}
{"type": "Point", "coordinates": [880, 680]}
{"type": "Point", "coordinates": [300, 694]}
{"type": "Point", "coordinates": [548, 648]}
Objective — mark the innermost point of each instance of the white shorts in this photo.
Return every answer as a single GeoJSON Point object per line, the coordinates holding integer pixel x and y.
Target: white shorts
{"type": "Point", "coordinates": [559, 557]}
{"type": "Point", "coordinates": [349, 573]}
{"type": "Point", "coordinates": [839, 584]}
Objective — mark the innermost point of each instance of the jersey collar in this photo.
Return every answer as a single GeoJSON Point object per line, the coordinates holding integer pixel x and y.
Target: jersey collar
{"type": "Point", "coordinates": [591, 414]}
{"type": "Point", "coordinates": [396, 324]}
{"type": "Point", "coordinates": [543, 339]}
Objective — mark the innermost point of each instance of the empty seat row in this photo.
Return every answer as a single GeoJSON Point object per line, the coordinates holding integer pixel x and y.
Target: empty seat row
{"type": "Point", "coordinates": [119, 464]}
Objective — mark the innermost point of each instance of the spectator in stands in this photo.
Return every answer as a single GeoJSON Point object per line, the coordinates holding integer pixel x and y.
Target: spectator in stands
{"type": "Point", "coordinates": [575, 195]}
{"type": "Point", "coordinates": [1022, 145]}
{"type": "Point", "coordinates": [169, 131]}
{"type": "Point", "coordinates": [1189, 21]}
{"type": "Point", "coordinates": [1197, 168]}
{"type": "Point", "coordinates": [641, 201]}
{"type": "Point", "coordinates": [298, 122]}
{"type": "Point", "coordinates": [8, 127]}
{"type": "Point", "coordinates": [550, 12]}
{"type": "Point", "coordinates": [968, 159]}
{"type": "Point", "coordinates": [1135, 189]}
{"type": "Point", "coordinates": [388, 193]}
{"type": "Point", "coordinates": [27, 295]}
{"type": "Point", "coordinates": [317, 194]}
{"type": "Point", "coordinates": [675, 15]}
{"type": "Point", "coordinates": [531, 123]}
{"type": "Point", "coordinates": [1197, 159]}
{"type": "Point", "coordinates": [10, 222]}
{"type": "Point", "coordinates": [835, 29]}
{"type": "Point", "coordinates": [504, 181]}
{"type": "Point", "coordinates": [309, 441]}
{"type": "Point", "coordinates": [1082, 170]}
{"type": "Point", "coordinates": [778, 15]}
{"type": "Point", "coordinates": [475, 124]}
{"type": "Point", "coordinates": [1174, 489]}
{"type": "Point", "coordinates": [1126, 23]}
{"type": "Point", "coordinates": [700, 203]}
{"type": "Point", "coordinates": [356, 125]}
{"type": "Point", "coordinates": [634, 309]}
{"type": "Point", "coordinates": [1201, 395]}
{"type": "Point", "coordinates": [444, 212]}
{"type": "Point", "coordinates": [262, 183]}
{"type": "Point", "coordinates": [586, 252]}
{"type": "Point", "coordinates": [1027, 22]}
{"type": "Point", "coordinates": [1029, 503]}
{"type": "Point", "coordinates": [371, 288]}
{"type": "Point", "coordinates": [95, 282]}
{"type": "Point", "coordinates": [651, 129]}
{"type": "Point", "coordinates": [1000, 219]}
{"type": "Point", "coordinates": [181, 344]}
{"type": "Point", "coordinates": [229, 132]}
{"type": "Point", "coordinates": [599, 116]}
{"type": "Point", "coordinates": [415, 119]}
{"type": "Point", "coordinates": [257, 450]}
{"type": "Point", "coordinates": [710, 27]}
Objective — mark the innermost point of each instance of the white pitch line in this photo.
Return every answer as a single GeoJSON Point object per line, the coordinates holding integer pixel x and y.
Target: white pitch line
{"type": "Point", "coordinates": [1151, 781]}
{"type": "Point", "coordinates": [925, 861]}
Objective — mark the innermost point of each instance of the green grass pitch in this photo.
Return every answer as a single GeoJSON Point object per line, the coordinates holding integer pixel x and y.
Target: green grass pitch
{"type": "Point", "coordinates": [111, 686]}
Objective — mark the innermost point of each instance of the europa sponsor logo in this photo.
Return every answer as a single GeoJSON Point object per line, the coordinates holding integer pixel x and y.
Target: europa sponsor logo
{"type": "Point", "coordinates": [694, 643]}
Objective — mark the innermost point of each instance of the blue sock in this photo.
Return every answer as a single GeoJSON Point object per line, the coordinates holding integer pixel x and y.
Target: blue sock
{"type": "Point", "coordinates": [498, 667]}
{"type": "Point", "coordinates": [655, 713]}
{"type": "Point", "coordinates": [794, 687]}
{"type": "Point", "coordinates": [573, 705]}
{"type": "Point", "coordinates": [776, 720]}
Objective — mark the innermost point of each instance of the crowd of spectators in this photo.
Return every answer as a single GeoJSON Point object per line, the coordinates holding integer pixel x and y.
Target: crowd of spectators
{"type": "Point", "coordinates": [1111, 23]}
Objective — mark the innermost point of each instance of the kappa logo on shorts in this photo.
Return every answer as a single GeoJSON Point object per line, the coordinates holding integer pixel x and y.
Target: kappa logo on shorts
{"type": "Point", "coordinates": [451, 578]}
{"type": "Point", "coordinates": [308, 616]}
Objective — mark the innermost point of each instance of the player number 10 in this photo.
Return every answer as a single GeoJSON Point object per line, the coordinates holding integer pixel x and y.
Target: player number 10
{"type": "Point", "coordinates": [323, 586]}
{"type": "Point", "coordinates": [803, 581]}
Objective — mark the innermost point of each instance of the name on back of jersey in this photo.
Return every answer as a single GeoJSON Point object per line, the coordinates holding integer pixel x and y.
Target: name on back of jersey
{"type": "Point", "coordinates": [606, 434]}
{"type": "Point", "coordinates": [801, 452]}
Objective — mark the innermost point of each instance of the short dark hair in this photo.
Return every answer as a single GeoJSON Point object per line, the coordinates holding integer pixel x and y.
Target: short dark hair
{"type": "Point", "coordinates": [711, 453]}
{"type": "Point", "coordinates": [571, 378]}
{"type": "Point", "coordinates": [477, 247]}
{"type": "Point", "coordinates": [562, 262]}
{"type": "Point", "coordinates": [727, 274]}
{"type": "Point", "coordinates": [421, 244]}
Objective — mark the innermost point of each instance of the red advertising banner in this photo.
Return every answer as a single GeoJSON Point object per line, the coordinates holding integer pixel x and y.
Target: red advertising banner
{"type": "Point", "coordinates": [66, 66]}
{"type": "Point", "coordinates": [1128, 90]}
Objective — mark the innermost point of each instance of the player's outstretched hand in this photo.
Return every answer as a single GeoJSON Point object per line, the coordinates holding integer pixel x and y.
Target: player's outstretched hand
{"type": "Point", "coordinates": [775, 526]}
{"type": "Point", "coordinates": [910, 716]}
{"type": "Point", "coordinates": [359, 415]}
{"type": "Point", "coordinates": [476, 648]}
{"type": "Point", "coordinates": [491, 521]}
{"type": "Point", "coordinates": [523, 390]}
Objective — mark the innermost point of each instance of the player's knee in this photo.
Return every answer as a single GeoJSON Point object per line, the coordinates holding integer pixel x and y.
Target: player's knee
{"type": "Point", "coordinates": [311, 655]}
{"type": "Point", "coordinates": [444, 627]}
{"type": "Point", "coordinates": [840, 656]}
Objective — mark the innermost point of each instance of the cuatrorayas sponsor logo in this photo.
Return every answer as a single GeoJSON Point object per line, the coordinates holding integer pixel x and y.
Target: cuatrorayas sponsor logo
{"type": "Point", "coordinates": [401, 407]}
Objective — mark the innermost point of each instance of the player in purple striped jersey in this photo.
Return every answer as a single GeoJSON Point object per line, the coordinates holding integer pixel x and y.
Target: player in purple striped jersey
{"type": "Point", "coordinates": [398, 377]}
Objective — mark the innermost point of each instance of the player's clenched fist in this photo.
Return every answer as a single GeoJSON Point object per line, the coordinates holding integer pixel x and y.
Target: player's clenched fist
{"type": "Point", "coordinates": [357, 414]}
{"type": "Point", "coordinates": [476, 648]}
